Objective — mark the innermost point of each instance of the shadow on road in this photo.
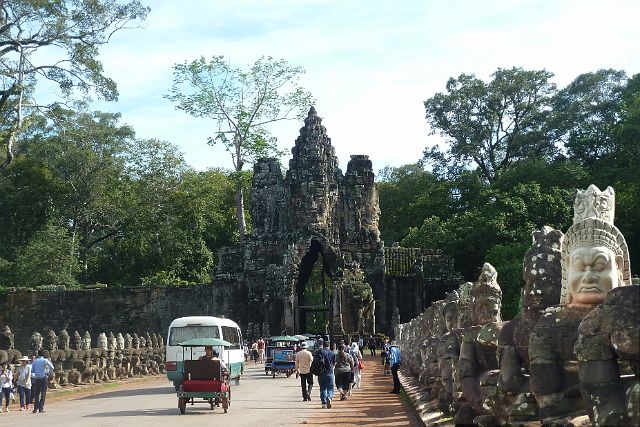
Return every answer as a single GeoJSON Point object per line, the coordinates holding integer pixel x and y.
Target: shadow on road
{"type": "Point", "coordinates": [130, 392]}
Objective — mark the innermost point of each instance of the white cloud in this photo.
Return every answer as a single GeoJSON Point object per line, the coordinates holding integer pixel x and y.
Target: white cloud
{"type": "Point", "coordinates": [370, 64]}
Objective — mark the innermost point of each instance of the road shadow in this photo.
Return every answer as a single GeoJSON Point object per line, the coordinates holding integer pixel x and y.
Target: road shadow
{"type": "Point", "coordinates": [130, 392]}
{"type": "Point", "coordinates": [370, 406]}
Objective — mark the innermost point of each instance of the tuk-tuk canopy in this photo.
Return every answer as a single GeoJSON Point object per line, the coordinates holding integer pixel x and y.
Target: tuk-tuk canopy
{"type": "Point", "coordinates": [205, 342]}
{"type": "Point", "coordinates": [285, 338]}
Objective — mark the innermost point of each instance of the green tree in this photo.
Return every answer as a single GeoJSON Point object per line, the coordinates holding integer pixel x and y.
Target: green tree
{"type": "Point", "coordinates": [586, 113]}
{"type": "Point", "coordinates": [242, 103]}
{"type": "Point", "coordinates": [57, 41]}
{"type": "Point", "coordinates": [49, 258]}
{"type": "Point", "coordinates": [85, 151]}
{"type": "Point", "coordinates": [490, 124]}
{"type": "Point", "coordinates": [408, 194]}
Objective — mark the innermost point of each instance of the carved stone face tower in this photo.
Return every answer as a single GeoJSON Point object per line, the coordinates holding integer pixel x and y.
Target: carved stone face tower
{"type": "Point", "coordinates": [313, 177]}
{"type": "Point", "coordinates": [310, 226]}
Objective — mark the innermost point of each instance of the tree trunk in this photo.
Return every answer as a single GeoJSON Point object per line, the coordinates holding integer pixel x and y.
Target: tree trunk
{"type": "Point", "coordinates": [242, 224]}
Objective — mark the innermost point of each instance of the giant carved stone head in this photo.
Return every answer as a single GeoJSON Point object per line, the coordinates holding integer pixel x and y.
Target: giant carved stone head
{"type": "Point", "coordinates": [542, 272]}
{"type": "Point", "coordinates": [63, 340]}
{"type": "Point", "coordinates": [76, 341]}
{"type": "Point", "coordinates": [86, 341]}
{"type": "Point", "coordinates": [486, 297]}
{"type": "Point", "coordinates": [50, 340]}
{"type": "Point", "coordinates": [595, 256]}
{"type": "Point", "coordinates": [102, 340]}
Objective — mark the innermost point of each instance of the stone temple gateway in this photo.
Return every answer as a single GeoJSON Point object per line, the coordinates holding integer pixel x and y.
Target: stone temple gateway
{"type": "Point", "coordinates": [312, 215]}
{"type": "Point", "coordinates": [314, 261]}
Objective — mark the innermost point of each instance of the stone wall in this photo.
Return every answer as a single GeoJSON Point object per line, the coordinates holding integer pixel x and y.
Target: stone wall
{"type": "Point", "coordinates": [138, 309]}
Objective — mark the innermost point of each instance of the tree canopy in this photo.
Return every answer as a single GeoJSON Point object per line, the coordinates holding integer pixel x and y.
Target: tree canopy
{"type": "Point", "coordinates": [242, 103]}
{"type": "Point", "coordinates": [56, 41]}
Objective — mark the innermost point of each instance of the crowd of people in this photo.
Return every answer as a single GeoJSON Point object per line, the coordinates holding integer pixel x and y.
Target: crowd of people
{"type": "Point", "coordinates": [29, 381]}
{"type": "Point", "coordinates": [340, 368]}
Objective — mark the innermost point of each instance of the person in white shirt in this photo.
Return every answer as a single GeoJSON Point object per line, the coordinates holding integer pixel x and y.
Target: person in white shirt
{"type": "Point", "coordinates": [303, 366]}
{"type": "Point", "coordinates": [6, 383]}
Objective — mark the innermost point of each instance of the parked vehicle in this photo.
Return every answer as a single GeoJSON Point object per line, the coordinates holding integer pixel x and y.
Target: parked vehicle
{"type": "Point", "coordinates": [282, 341]}
{"type": "Point", "coordinates": [203, 381]}
{"type": "Point", "coordinates": [186, 328]}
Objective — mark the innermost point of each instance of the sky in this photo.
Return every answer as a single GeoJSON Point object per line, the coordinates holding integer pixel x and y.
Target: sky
{"type": "Point", "coordinates": [370, 64]}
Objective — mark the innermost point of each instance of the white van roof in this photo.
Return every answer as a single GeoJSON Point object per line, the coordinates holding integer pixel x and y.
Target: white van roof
{"type": "Point", "coordinates": [203, 320]}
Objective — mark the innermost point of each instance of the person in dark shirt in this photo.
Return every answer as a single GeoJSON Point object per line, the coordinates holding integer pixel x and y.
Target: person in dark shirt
{"type": "Point", "coordinates": [327, 377]}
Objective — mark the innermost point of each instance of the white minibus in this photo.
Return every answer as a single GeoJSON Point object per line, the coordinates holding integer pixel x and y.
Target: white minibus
{"type": "Point", "coordinates": [185, 328]}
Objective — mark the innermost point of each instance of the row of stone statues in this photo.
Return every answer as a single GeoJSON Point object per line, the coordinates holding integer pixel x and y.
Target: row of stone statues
{"type": "Point", "coordinates": [573, 351]}
{"type": "Point", "coordinates": [77, 361]}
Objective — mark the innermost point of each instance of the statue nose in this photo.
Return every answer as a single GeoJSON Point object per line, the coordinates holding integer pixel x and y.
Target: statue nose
{"type": "Point", "coordinates": [591, 276]}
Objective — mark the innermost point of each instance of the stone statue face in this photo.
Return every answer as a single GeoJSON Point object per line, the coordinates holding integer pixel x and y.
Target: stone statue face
{"type": "Point", "coordinates": [86, 341]}
{"type": "Point", "coordinates": [486, 310]}
{"type": "Point", "coordinates": [50, 341]}
{"type": "Point", "coordinates": [592, 273]}
{"type": "Point", "coordinates": [450, 319]}
{"type": "Point", "coordinates": [76, 342]}
{"type": "Point", "coordinates": [119, 342]}
{"type": "Point", "coordinates": [63, 340]}
{"type": "Point", "coordinates": [102, 341]}
{"type": "Point", "coordinates": [36, 341]}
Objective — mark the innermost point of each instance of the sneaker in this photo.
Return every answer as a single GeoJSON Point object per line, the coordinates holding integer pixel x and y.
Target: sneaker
{"type": "Point", "coordinates": [34, 411]}
{"type": "Point", "coordinates": [324, 406]}
{"type": "Point", "coordinates": [21, 408]}
{"type": "Point", "coordinates": [7, 409]}
{"type": "Point", "coordinates": [328, 403]}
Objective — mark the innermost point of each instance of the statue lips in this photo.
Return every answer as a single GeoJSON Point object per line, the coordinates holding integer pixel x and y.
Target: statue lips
{"type": "Point", "coordinates": [590, 289]}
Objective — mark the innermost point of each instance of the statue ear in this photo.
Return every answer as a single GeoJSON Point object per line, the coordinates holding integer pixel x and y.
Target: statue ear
{"type": "Point", "coordinates": [620, 266]}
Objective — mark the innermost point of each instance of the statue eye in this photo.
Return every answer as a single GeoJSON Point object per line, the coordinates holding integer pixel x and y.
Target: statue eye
{"type": "Point", "coordinates": [579, 265]}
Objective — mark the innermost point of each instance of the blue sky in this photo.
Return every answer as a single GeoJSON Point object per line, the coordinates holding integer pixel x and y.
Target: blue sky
{"type": "Point", "coordinates": [370, 64]}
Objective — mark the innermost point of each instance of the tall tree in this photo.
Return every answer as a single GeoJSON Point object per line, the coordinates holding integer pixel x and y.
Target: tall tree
{"type": "Point", "coordinates": [586, 113]}
{"type": "Point", "coordinates": [242, 103]}
{"type": "Point", "coordinates": [491, 124]}
{"type": "Point", "coordinates": [57, 41]}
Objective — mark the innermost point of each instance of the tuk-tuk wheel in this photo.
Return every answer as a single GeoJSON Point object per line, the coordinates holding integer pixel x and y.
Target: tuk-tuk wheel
{"type": "Point", "coordinates": [274, 374]}
{"type": "Point", "coordinates": [211, 404]}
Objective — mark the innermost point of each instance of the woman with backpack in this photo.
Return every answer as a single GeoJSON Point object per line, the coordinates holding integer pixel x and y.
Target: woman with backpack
{"type": "Point", "coordinates": [343, 370]}
{"type": "Point", "coordinates": [357, 361]}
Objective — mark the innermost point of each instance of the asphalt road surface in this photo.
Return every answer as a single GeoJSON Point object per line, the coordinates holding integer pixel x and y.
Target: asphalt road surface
{"type": "Point", "coordinates": [259, 401]}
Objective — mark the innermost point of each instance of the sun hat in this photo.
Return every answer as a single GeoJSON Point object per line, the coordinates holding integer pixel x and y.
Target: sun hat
{"type": "Point", "coordinates": [23, 359]}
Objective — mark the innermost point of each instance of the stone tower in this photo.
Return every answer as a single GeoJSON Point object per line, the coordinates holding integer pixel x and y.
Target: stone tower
{"type": "Point", "coordinates": [311, 213]}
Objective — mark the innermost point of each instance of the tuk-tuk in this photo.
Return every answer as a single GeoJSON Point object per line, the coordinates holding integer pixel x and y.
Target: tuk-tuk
{"type": "Point", "coordinates": [204, 380]}
{"type": "Point", "coordinates": [282, 342]}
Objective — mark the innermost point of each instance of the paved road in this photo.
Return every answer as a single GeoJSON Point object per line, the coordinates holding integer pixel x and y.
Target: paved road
{"type": "Point", "coordinates": [259, 401]}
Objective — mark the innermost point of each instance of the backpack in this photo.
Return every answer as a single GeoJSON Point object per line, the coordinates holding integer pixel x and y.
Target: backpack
{"type": "Point", "coordinates": [318, 364]}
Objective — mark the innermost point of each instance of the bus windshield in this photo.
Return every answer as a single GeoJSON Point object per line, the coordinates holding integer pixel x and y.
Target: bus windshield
{"type": "Point", "coordinates": [180, 334]}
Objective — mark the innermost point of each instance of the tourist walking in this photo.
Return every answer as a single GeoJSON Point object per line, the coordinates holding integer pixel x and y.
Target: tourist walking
{"type": "Point", "coordinates": [6, 384]}
{"type": "Point", "coordinates": [254, 352]}
{"type": "Point", "coordinates": [361, 343]}
{"type": "Point", "coordinates": [372, 345]}
{"type": "Point", "coordinates": [303, 368]}
{"type": "Point", "coordinates": [261, 350]}
{"type": "Point", "coordinates": [327, 378]}
{"type": "Point", "coordinates": [40, 369]}
{"type": "Point", "coordinates": [24, 383]}
{"type": "Point", "coordinates": [394, 359]}
{"type": "Point", "coordinates": [384, 356]}
{"type": "Point", "coordinates": [343, 371]}
{"type": "Point", "coordinates": [356, 354]}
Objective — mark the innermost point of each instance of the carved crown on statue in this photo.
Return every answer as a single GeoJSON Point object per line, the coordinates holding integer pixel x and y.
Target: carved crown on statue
{"type": "Point", "coordinates": [593, 228]}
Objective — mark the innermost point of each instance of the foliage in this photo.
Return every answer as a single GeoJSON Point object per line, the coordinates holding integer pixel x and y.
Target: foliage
{"type": "Point", "coordinates": [132, 208]}
{"type": "Point", "coordinates": [49, 258]}
{"type": "Point", "coordinates": [490, 124]}
{"type": "Point", "coordinates": [242, 103]}
{"type": "Point", "coordinates": [507, 260]}
{"type": "Point", "coordinates": [57, 41]}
